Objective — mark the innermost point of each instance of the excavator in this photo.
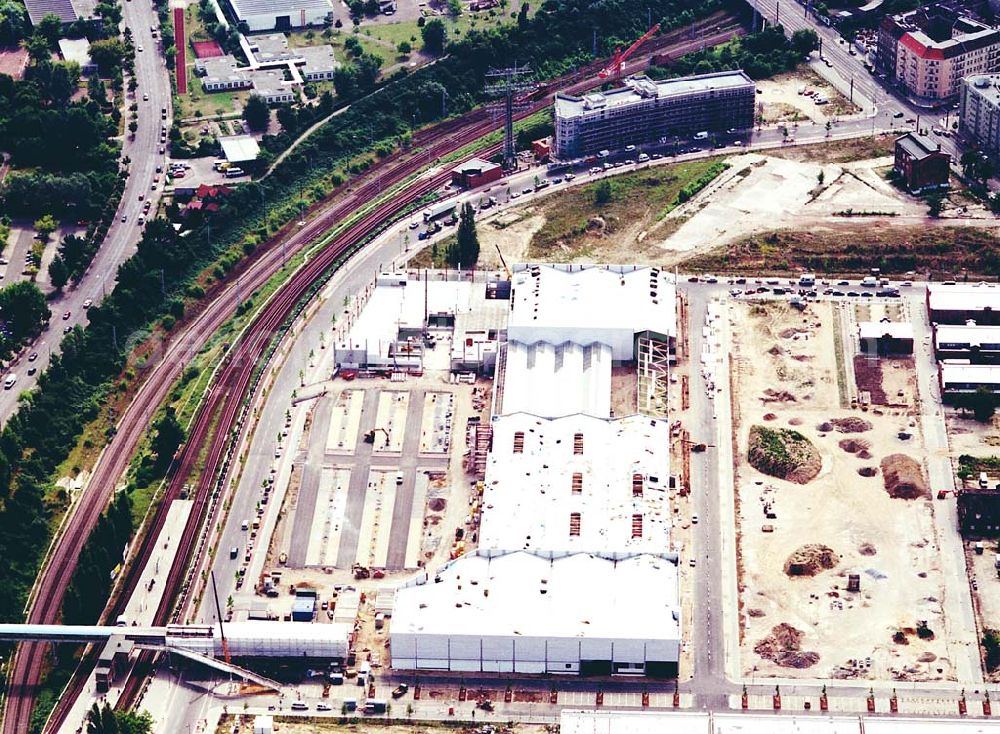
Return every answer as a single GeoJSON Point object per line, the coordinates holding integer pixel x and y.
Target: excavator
{"type": "Point", "coordinates": [370, 436]}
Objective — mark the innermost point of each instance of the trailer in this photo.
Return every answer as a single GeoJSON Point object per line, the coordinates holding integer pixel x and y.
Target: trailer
{"type": "Point", "coordinates": [439, 210]}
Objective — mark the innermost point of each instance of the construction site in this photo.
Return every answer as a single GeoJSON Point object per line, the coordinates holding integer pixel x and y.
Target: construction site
{"type": "Point", "coordinates": [839, 568]}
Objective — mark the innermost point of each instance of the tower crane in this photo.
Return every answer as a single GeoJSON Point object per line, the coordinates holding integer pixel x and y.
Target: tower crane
{"type": "Point", "coordinates": [614, 69]}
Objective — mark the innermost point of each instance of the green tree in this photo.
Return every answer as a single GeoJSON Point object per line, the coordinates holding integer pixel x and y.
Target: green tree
{"type": "Point", "coordinates": [983, 403]}
{"type": "Point", "coordinates": [37, 47]}
{"type": "Point", "coordinates": [367, 69]}
{"type": "Point", "coordinates": [404, 47]}
{"type": "Point", "coordinates": [108, 54]}
{"type": "Point", "coordinates": [58, 272]}
{"type": "Point", "coordinates": [804, 41]}
{"type": "Point", "coordinates": [603, 193]}
{"type": "Point", "coordinates": [13, 22]}
{"type": "Point", "coordinates": [991, 645]}
{"type": "Point", "coordinates": [466, 249]}
{"type": "Point", "coordinates": [935, 203]}
{"type": "Point", "coordinates": [45, 226]}
{"type": "Point", "coordinates": [256, 113]}
{"type": "Point", "coordinates": [101, 720]}
{"type": "Point", "coordinates": [169, 435]}
{"type": "Point", "coordinates": [522, 15]}
{"type": "Point", "coordinates": [50, 27]}
{"type": "Point", "coordinates": [434, 36]}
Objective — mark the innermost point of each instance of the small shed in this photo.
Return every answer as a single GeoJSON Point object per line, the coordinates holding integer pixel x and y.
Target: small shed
{"type": "Point", "coordinates": [886, 338]}
{"type": "Point", "coordinates": [239, 149]}
{"type": "Point", "coordinates": [476, 172]}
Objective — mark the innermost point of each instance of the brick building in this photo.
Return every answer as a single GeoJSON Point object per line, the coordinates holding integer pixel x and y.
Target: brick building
{"type": "Point", "coordinates": [921, 164]}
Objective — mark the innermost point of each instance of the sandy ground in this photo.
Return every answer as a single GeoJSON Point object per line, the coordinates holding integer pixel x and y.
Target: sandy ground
{"type": "Point", "coordinates": [985, 580]}
{"type": "Point", "coordinates": [889, 542]}
{"type": "Point", "coordinates": [760, 192]}
{"type": "Point", "coordinates": [968, 436]}
{"type": "Point", "coordinates": [511, 232]}
{"type": "Point", "coordinates": [782, 102]}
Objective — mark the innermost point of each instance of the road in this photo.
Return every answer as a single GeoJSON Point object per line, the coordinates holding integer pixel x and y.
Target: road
{"type": "Point", "coordinates": [122, 237]}
{"type": "Point", "coordinates": [118, 246]}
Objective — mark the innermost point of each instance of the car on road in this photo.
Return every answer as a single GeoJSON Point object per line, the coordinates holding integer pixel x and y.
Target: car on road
{"type": "Point", "coordinates": [145, 97]}
{"type": "Point", "coordinates": [836, 293]}
{"type": "Point", "coordinates": [87, 304]}
{"type": "Point", "coordinates": [898, 115]}
{"type": "Point", "coordinates": [323, 706]}
{"type": "Point", "coordinates": [907, 284]}
{"type": "Point", "coordinates": [141, 196]}
{"type": "Point", "coordinates": [691, 563]}
{"type": "Point", "coordinates": [694, 519]}
{"type": "Point", "coordinates": [853, 294]}
{"type": "Point", "coordinates": [67, 315]}
{"type": "Point", "coordinates": [527, 190]}
{"type": "Point", "coordinates": [139, 49]}
{"type": "Point", "coordinates": [67, 329]}
{"type": "Point", "coordinates": [515, 194]}
{"type": "Point", "coordinates": [124, 217]}
{"type": "Point", "coordinates": [33, 356]}
{"type": "Point", "coordinates": [570, 176]}
{"type": "Point", "coordinates": [414, 225]}
{"type": "Point", "coordinates": [161, 150]}
{"type": "Point", "coordinates": [843, 282]}
{"type": "Point", "coordinates": [300, 706]}
{"type": "Point", "coordinates": [9, 381]}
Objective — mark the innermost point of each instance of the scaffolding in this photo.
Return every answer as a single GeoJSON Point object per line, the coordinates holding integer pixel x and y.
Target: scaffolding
{"type": "Point", "coordinates": [653, 368]}
{"type": "Point", "coordinates": [504, 84]}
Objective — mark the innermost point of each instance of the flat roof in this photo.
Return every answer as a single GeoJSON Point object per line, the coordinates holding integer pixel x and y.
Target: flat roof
{"type": "Point", "coordinates": [526, 595]}
{"type": "Point", "coordinates": [633, 722]}
{"type": "Point", "coordinates": [222, 69]}
{"type": "Point", "coordinates": [984, 85]}
{"type": "Point", "coordinates": [593, 298]}
{"type": "Point", "coordinates": [969, 374]}
{"type": "Point", "coordinates": [270, 47]}
{"type": "Point", "coordinates": [529, 498]}
{"type": "Point", "coordinates": [963, 297]}
{"type": "Point", "coordinates": [269, 82]}
{"type": "Point", "coordinates": [970, 334]}
{"type": "Point", "coordinates": [639, 89]}
{"type": "Point", "coordinates": [239, 148]}
{"type": "Point", "coordinates": [475, 165]}
{"type": "Point", "coordinates": [882, 329]}
{"type": "Point", "coordinates": [318, 58]}
{"type": "Point", "coordinates": [687, 722]}
{"type": "Point", "coordinates": [243, 8]}
{"type": "Point", "coordinates": [75, 49]}
{"type": "Point", "coordinates": [553, 380]}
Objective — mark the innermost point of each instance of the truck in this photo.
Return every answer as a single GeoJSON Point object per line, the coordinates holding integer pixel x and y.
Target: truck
{"type": "Point", "coordinates": [400, 690]}
{"type": "Point", "coordinates": [807, 280]}
{"type": "Point", "coordinates": [376, 706]}
{"type": "Point", "coordinates": [234, 172]}
{"type": "Point", "coordinates": [439, 210]}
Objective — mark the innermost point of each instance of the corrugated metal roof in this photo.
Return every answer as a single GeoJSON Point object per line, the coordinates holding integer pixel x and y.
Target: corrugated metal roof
{"type": "Point", "coordinates": [243, 8]}
{"type": "Point", "coordinates": [38, 9]}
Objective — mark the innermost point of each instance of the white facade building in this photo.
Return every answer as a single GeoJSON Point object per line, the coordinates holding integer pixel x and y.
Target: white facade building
{"type": "Point", "coordinates": [524, 613]}
{"type": "Point", "coordinates": [577, 484]}
{"type": "Point", "coordinates": [281, 15]}
{"type": "Point", "coordinates": [611, 305]}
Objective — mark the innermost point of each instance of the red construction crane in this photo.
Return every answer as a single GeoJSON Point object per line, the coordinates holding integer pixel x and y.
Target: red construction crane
{"type": "Point", "coordinates": [614, 69]}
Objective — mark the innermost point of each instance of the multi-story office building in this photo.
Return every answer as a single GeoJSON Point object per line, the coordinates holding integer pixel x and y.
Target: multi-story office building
{"type": "Point", "coordinates": [930, 50]}
{"type": "Point", "coordinates": [979, 119]}
{"type": "Point", "coordinates": [644, 111]}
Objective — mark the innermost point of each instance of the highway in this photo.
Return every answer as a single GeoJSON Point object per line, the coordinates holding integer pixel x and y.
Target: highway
{"type": "Point", "coordinates": [123, 237]}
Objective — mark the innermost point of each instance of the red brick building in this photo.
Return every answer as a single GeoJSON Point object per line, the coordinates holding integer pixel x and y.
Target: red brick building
{"type": "Point", "coordinates": [920, 163]}
{"type": "Point", "coordinates": [476, 172]}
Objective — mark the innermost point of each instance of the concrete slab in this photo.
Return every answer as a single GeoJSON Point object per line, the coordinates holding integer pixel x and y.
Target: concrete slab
{"type": "Point", "coordinates": [345, 421]}
{"type": "Point", "coordinates": [392, 409]}
{"type": "Point", "coordinates": [418, 506]}
{"type": "Point", "coordinates": [328, 519]}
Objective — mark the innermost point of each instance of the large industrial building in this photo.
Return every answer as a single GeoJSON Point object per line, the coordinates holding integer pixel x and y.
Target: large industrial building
{"type": "Point", "coordinates": [644, 111]}
{"type": "Point", "coordinates": [959, 303]}
{"type": "Point", "coordinates": [574, 500]}
{"type": "Point", "coordinates": [281, 15]}
{"type": "Point", "coordinates": [978, 344]}
{"type": "Point", "coordinates": [928, 51]}
{"type": "Point", "coordinates": [577, 483]}
{"type": "Point", "coordinates": [528, 613]}
{"type": "Point", "coordinates": [979, 112]}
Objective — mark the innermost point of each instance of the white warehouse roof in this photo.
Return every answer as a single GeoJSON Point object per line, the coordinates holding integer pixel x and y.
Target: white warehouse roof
{"type": "Point", "coordinates": [527, 610]}
{"type": "Point", "coordinates": [882, 329]}
{"type": "Point", "coordinates": [554, 380]}
{"type": "Point", "coordinates": [967, 336]}
{"type": "Point", "coordinates": [239, 148]}
{"type": "Point", "coordinates": [633, 722]}
{"type": "Point", "coordinates": [963, 297]}
{"type": "Point", "coordinates": [585, 304]}
{"type": "Point", "coordinates": [969, 375]}
{"type": "Point", "coordinates": [610, 498]}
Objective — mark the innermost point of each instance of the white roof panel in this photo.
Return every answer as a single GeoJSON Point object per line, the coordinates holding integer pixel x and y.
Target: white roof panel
{"type": "Point", "coordinates": [529, 497]}
{"type": "Point", "coordinates": [964, 297]}
{"type": "Point", "coordinates": [555, 380]}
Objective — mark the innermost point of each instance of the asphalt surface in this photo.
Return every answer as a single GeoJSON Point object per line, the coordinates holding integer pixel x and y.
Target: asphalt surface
{"type": "Point", "coordinates": [122, 238]}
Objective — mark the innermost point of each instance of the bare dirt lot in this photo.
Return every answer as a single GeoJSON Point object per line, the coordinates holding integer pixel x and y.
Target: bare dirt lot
{"type": "Point", "coordinates": [801, 545]}
{"type": "Point", "coordinates": [783, 103]}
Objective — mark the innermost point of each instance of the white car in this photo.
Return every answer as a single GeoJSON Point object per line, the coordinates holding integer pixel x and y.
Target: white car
{"type": "Point", "coordinates": [694, 519]}
{"type": "Point", "coordinates": [88, 303]}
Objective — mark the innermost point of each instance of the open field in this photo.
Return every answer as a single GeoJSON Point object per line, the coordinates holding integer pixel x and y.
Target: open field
{"type": "Point", "coordinates": [782, 102]}
{"type": "Point", "coordinates": [935, 247]}
{"type": "Point", "coordinates": [838, 151]}
{"type": "Point", "coordinates": [802, 537]}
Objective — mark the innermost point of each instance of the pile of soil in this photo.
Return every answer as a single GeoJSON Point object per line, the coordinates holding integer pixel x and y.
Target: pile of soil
{"type": "Point", "coordinates": [769, 416]}
{"type": "Point", "coordinates": [596, 225]}
{"type": "Point", "coordinates": [903, 477]}
{"type": "Point", "coordinates": [778, 396]}
{"type": "Point", "coordinates": [783, 453]}
{"type": "Point", "coordinates": [864, 454]}
{"type": "Point", "coordinates": [867, 549]}
{"type": "Point", "coordinates": [867, 471]}
{"type": "Point", "coordinates": [854, 445]}
{"type": "Point", "coordinates": [775, 350]}
{"type": "Point", "coordinates": [783, 647]}
{"type": "Point", "coordinates": [792, 331]}
{"type": "Point", "coordinates": [437, 504]}
{"type": "Point", "coordinates": [754, 612]}
{"type": "Point", "coordinates": [795, 421]}
{"type": "Point", "coordinates": [851, 424]}
{"type": "Point", "coordinates": [810, 559]}
{"type": "Point", "coordinates": [824, 427]}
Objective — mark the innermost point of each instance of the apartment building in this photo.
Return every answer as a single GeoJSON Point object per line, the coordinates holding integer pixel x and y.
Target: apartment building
{"type": "Point", "coordinates": [929, 51]}
{"type": "Point", "coordinates": [979, 119]}
{"type": "Point", "coordinates": [644, 111]}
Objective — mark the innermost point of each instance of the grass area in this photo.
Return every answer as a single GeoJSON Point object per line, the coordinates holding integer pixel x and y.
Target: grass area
{"type": "Point", "coordinates": [779, 452]}
{"type": "Point", "coordinates": [852, 248]}
{"type": "Point", "coordinates": [970, 466]}
{"type": "Point", "coordinates": [838, 151]}
{"type": "Point", "coordinates": [199, 103]}
{"type": "Point", "coordinates": [407, 30]}
{"type": "Point", "coordinates": [575, 218]}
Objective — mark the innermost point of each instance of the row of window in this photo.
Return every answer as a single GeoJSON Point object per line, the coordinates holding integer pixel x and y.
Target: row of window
{"type": "Point", "coordinates": [519, 443]}
{"type": "Point", "coordinates": [576, 518]}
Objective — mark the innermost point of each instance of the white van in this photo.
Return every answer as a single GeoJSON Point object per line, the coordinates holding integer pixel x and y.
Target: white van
{"type": "Point", "coordinates": [8, 383]}
{"type": "Point", "coordinates": [703, 135]}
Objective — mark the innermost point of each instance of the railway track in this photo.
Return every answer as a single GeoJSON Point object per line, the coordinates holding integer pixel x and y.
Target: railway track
{"type": "Point", "coordinates": [434, 142]}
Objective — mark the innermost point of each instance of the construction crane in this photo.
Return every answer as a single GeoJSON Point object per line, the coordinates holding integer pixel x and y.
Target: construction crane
{"type": "Point", "coordinates": [504, 263]}
{"type": "Point", "coordinates": [370, 436]}
{"type": "Point", "coordinates": [614, 69]}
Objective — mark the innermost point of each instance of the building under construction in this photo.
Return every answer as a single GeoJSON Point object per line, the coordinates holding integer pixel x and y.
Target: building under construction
{"type": "Point", "coordinates": [644, 111]}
